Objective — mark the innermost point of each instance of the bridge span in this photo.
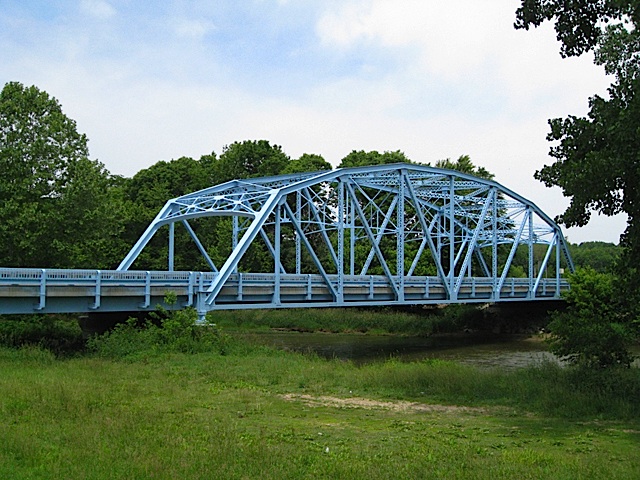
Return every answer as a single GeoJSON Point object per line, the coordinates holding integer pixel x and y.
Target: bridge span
{"type": "Point", "coordinates": [381, 235]}
{"type": "Point", "coordinates": [67, 291]}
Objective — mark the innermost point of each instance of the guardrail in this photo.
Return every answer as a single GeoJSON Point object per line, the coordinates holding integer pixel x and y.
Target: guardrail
{"type": "Point", "coordinates": [26, 290]}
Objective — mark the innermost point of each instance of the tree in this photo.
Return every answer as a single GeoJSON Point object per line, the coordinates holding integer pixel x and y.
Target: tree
{"type": "Point", "coordinates": [596, 157]}
{"type": "Point", "coordinates": [251, 158]}
{"type": "Point", "coordinates": [591, 331]}
{"type": "Point", "coordinates": [600, 256]}
{"type": "Point", "coordinates": [360, 158]}
{"type": "Point", "coordinates": [308, 162]}
{"type": "Point", "coordinates": [56, 207]}
{"type": "Point", "coordinates": [465, 165]}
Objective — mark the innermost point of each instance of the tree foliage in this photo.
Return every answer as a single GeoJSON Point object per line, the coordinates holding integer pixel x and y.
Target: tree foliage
{"type": "Point", "coordinates": [596, 157]}
{"type": "Point", "coordinates": [360, 158]}
{"type": "Point", "coordinates": [465, 165]}
{"type": "Point", "coordinates": [591, 331]}
{"type": "Point", "coordinates": [597, 164]}
{"type": "Point", "coordinates": [251, 158]}
{"type": "Point", "coordinates": [50, 188]}
{"type": "Point", "coordinates": [600, 256]}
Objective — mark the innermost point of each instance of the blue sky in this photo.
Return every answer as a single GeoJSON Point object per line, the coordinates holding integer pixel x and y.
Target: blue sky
{"type": "Point", "coordinates": [150, 81]}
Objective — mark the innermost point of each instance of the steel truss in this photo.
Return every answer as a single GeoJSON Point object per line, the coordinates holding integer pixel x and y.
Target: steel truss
{"type": "Point", "coordinates": [400, 222]}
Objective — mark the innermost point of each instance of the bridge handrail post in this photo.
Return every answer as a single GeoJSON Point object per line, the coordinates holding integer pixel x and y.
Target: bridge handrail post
{"type": "Point", "coordinates": [98, 291]}
{"type": "Point", "coordinates": [147, 290]}
{"type": "Point", "coordinates": [43, 289]}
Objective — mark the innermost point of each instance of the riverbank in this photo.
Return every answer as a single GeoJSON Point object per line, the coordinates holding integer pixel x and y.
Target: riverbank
{"type": "Point", "coordinates": [376, 321]}
{"type": "Point", "coordinates": [249, 411]}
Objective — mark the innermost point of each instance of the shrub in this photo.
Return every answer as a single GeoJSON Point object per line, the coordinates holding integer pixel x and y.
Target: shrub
{"type": "Point", "coordinates": [591, 331]}
{"type": "Point", "coordinates": [163, 332]}
{"type": "Point", "coordinates": [59, 334]}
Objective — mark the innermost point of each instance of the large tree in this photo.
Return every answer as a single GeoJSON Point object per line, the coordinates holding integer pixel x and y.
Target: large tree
{"type": "Point", "coordinates": [250, 158]}
{"type": "Point", "coordinates": [597, 157]}
{"type": "Point", "coordinates": [57, 208]}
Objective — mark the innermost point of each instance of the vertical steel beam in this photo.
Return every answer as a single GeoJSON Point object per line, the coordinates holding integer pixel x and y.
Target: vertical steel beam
{"type": "Point", "coordinates": [557, 242]}
{"type": "Point", "coordinates": [352, 238]}
{"type": "Point", "coordinates": [340, 265]}
{"type": "Point", "coordinates": [172, 245]}
{"type": "Point", "coordinates": [530, 251]}
{"type": "Point", "coordinates": [494, 250]}
{"type": "Point", "coordinates": [297, 236]}
{"type": "Point", "coordinates": [234, 237]}
{"type": "Point", "coordinates": [452, 246]}
{"type": "Point", "coordinates": [98, 291]}
{"type": "Point", "coordinates": [400, 233]}
{"type": "Point", "coordinates": [277, 266]}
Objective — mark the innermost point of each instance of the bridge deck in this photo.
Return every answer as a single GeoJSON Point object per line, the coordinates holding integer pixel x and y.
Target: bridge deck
{"type": "Point", "coordinates": [68, 291]}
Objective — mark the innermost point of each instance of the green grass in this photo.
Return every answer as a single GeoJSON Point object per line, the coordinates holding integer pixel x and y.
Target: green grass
{"type": "Point", "coordinates": [212, 415]}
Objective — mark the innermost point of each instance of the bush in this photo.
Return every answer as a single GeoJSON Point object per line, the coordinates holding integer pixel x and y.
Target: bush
{"type": "Point", "coordinates": [164, 332]}
{"type": "Point", "coordinates": [59, 334]}
{"type": "Point", "coordinates": [591, 331]}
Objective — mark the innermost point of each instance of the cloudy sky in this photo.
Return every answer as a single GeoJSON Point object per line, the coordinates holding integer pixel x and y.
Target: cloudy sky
{"type": "Point", "coordinates": [150, 81]}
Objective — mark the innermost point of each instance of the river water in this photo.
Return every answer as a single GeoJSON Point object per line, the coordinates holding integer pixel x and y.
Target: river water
{"type": "Point", "coordinates": [485, 351]}
{"type": "Point", "coordinates": [481, 350]}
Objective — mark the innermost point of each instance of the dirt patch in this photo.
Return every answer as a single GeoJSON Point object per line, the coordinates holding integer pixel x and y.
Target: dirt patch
{"type": "Point", "coordinates": [369, 404]}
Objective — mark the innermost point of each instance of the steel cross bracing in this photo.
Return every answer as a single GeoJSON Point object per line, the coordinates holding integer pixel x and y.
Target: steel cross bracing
{"type": "Point", "coordinates": [342, 237]}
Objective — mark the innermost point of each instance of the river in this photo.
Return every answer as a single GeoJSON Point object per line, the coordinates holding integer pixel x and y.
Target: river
{"type": "Point", "coordinates": [486, 351]}
{"type": "Point", "coordinates": [481, 350]}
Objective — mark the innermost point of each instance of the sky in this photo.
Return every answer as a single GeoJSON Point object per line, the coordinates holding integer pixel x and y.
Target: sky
{"type": "Point", "coordinates": [151, 81]}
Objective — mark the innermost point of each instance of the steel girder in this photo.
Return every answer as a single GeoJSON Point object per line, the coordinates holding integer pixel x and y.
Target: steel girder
{"type": "Point", "coordinates": [398, 220]}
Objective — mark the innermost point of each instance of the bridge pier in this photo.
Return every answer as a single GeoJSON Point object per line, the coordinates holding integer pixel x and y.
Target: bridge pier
{"type": "Point", "coordinates": [518, 317]}
{"type": "Point", "coordinates": [95, 323]}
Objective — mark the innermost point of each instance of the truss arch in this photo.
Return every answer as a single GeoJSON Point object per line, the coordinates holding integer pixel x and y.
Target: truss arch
{"type": "Point", "coordinates": [398, 222]}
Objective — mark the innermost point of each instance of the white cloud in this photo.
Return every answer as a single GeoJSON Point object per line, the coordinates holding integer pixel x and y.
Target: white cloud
{"type": "Point", "coordinates": [100, 9]}
{"type": "Point", "coordinates": [452, 36]}
{"type": "Point", "coordinates": [196, 29]}
{"type": "Point", "coordinates": [433, 79]}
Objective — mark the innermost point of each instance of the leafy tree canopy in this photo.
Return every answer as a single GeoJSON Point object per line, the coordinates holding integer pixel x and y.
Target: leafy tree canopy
{"type": "Point", "coordinates": [251, 158]}
{"type": "Point", "coordinates": [591, 331]}
{"type": "Point", "coordinates": [308, 162]}
{"type": "Point", "coordinates": [600, 256]}
{"type": "Point", "coordinates": [50, 188]}
{"type": "Point", "coordinates": [597, 160]}
{"type": "Point", "coordinates": [360, 158]}
{"type": "Point", "coordinates": [596, 157]}
{"type": "Point", "coordinates": [579, 24]}
{"type": "Point", "coordinates": [465, 165]}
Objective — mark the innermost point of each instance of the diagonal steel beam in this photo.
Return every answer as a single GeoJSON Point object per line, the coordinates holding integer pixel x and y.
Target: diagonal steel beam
{"type": "Point", "coordinates": [372, 239]}
{"type": "Point", "coordinates": [474, 240]}
{"type": "Point", "coordinates": [314, 257]}
{"type": "Point", "coordinates": [243, 244]}
{"type": "Point", "coordinates": [203, 251]}
{"type": "Point", "coordinates": [427, 234]}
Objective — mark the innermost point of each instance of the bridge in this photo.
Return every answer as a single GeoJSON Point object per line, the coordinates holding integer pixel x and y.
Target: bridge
{"type": "Point", "coordinates": [393, 234]}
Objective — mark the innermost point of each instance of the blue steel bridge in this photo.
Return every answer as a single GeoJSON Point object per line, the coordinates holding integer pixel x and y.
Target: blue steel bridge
{"type": "Point", "coordinates": [396, 234]}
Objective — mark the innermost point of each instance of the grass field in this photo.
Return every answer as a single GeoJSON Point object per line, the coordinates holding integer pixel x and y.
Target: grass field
{"type": "Point", "coordinates": [244, 412]}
